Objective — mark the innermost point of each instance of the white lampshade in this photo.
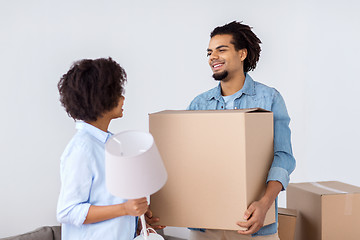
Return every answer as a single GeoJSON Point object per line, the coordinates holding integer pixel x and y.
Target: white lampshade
{"type": "Point", "coordinates": [134, 167]}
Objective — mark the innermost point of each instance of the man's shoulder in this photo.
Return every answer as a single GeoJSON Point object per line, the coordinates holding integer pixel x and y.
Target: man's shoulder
{"type": "Point", "coordinates": [263, 86]}
{"type": "Point", "coordinates": [263, 89]}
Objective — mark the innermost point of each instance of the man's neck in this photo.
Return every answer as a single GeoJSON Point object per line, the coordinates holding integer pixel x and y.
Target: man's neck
{"type": "Point", "coordinates": [232, 85]}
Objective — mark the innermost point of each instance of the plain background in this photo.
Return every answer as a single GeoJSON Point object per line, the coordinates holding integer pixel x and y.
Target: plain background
{"type": "Point", "coordinates": [310, 53]}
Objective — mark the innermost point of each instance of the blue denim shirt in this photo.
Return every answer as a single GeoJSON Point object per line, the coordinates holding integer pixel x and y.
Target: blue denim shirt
{"type": "Point", "coordinates": [257, 95]}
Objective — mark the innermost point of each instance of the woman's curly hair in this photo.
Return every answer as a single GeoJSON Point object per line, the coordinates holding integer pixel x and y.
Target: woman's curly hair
{"type": "Point", "coordinates": [91, 88]}
{"type": "Point", "coordinates": [243, 37]}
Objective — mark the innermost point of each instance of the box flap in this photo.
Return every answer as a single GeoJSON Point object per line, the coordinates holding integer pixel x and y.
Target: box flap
{"type": "Point", "coordinates": [328, 187]}
{"type": "Point", "coordinates": [287, 212]}
{"type": "Point", "coordinates": [245, 110]}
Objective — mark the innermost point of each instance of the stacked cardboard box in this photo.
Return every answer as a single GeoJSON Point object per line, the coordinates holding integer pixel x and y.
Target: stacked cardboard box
{"type": "Point", "coordinates": [327, 210]}
{"type": "Point", "coordinates": [217, 164]}
{"type": "Point", "coordinates": [287, 223]}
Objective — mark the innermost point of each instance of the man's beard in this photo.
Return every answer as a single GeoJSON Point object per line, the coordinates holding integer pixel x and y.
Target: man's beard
{"type": "Point", "coordinates": [220, 76]}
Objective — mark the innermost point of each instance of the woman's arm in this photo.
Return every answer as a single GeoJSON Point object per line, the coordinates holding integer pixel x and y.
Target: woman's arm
{"type": "Point", "coordinates": [133, 207]}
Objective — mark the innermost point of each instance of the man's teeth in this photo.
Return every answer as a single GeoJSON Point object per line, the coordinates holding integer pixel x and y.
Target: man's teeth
{"type": "Point", "coordinates": [217, 65]}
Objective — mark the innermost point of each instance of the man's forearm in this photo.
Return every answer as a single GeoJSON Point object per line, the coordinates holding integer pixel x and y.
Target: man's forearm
{"type": "Point", "coordinates": [272, 191]}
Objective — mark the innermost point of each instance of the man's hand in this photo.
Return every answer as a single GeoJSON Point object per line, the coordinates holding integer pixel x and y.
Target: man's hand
{"type": "Point", "coordinates": [255, 216]}
{"type": "Point", "coordinates": [150, 220]}
{"type": "Point", "coordinates": [136, 207]}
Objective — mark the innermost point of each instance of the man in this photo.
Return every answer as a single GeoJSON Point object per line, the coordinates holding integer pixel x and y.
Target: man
{"type": "Point", "coordinates": [233, 51]}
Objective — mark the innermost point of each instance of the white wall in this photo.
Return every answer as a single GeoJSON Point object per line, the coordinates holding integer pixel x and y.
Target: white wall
{"type": "Point", "coordinates": [310, 54]}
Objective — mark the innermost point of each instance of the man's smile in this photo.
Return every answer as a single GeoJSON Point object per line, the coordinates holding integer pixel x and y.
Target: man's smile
{"type": "Point", "coordinates": [217, 65]}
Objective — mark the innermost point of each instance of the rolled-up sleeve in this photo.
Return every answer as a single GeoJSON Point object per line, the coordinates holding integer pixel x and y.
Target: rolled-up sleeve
{"type": "Point", "coordinates": [284, 162]}
{"type": "Point", "coordinates": [76, 179]}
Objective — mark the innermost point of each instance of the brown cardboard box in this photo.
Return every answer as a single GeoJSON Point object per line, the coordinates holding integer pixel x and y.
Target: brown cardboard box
{"type": "Point", "coordinates": [217, 164]}
{"type": "Point", "coordinates": [287, 223]}
{"type": "Point", "coordinates": [327, 210]}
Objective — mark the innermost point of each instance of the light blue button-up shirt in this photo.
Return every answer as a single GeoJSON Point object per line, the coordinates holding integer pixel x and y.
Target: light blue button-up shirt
{"type": "Point", "coordinates": [82, 172]}
{"type": "Point", "coordinates": [257, 95]}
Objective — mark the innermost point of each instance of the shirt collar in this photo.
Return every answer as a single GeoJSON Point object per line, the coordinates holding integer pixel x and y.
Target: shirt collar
{"type": "Point", "coordinates": [249, 85]}
{"type": "Point", "coordinates": [248, 89]}
{"type": "Point", "coordinates": [94, 131]}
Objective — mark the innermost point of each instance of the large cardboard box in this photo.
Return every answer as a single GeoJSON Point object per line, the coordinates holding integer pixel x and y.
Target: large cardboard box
{"type": "Point", "coordinates": [287, 223]}
{"type": "Point", "coordinates": [327, 210]}
{"type": "Point", "coordinates": [217, 164]}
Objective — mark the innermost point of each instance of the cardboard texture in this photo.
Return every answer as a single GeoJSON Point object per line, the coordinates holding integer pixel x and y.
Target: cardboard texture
{"type": "Point", "coordinates": [327, 210]}
{"type": "Point", "coordinates": [217, 164]}
{"type": "Point", "coordinates": [287, 223]}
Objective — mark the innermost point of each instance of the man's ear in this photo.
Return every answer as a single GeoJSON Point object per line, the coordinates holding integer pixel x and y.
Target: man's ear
{"type": "Point", "coordinates": [243, 54]}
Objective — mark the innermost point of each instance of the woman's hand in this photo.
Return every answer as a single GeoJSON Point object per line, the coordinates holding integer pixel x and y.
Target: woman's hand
{"type": "Point", "coordinates": [136, 207]}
